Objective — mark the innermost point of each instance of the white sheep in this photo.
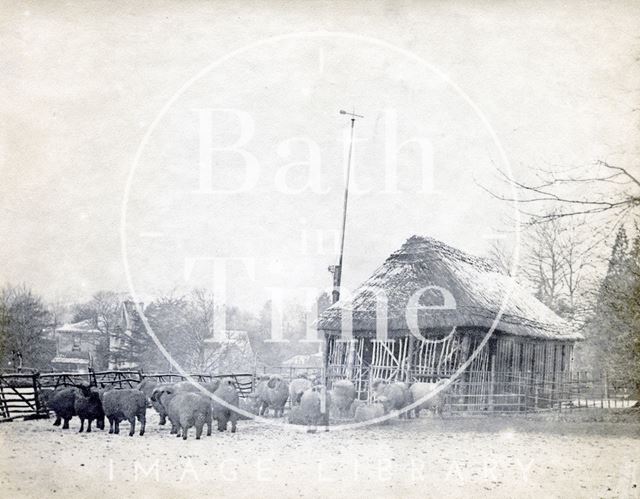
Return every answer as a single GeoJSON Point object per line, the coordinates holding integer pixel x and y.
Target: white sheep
{"type": "Point", "coordinates": [343, 393]}
{"type": "Point", "coordinates": [124, 404]}
{"type": "Point", "coordinates": [186, 409]}
{"type": "Point", "coordinates": [435, 403]}
{"type": "Point", "coordinates": [367, 412]}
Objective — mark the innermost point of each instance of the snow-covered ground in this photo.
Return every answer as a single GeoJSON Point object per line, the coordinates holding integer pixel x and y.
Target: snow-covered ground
{"type": "Point", "coordinates": [429, 457]}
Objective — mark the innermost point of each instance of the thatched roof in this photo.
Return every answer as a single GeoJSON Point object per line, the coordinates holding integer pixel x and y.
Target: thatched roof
{"type": "Point", "coordinates": [478, 287]}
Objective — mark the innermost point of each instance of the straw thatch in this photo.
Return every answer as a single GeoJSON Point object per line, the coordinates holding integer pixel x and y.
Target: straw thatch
{"type": "Point", "coordinates": [480, 291]}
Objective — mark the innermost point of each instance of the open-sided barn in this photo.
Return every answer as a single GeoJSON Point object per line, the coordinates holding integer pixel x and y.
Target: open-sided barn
{"type": "Point", "coordinates": [432, 310]}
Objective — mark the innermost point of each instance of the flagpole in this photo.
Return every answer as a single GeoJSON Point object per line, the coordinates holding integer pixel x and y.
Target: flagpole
{"type": "Point", "coordinates": [337, 269]}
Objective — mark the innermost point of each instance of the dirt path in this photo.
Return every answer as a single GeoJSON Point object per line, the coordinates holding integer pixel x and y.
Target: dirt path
{"type": "Point", "coordinates": [500, 457]}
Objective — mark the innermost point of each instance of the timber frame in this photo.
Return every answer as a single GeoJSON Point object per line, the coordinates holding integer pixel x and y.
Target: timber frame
{"type": "Point", "coordinates": [503, 360]}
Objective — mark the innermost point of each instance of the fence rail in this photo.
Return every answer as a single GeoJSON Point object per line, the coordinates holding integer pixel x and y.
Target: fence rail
{"type": "Point", "coordinates": [21, 393]}
{"type": "Point", "coordinates": [527, 393]}
{"type": "Point", "coordinates": [291, 372]}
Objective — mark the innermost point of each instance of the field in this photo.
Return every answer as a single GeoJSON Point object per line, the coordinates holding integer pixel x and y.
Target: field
{"type": "Point", "coordinates": [588, 455]}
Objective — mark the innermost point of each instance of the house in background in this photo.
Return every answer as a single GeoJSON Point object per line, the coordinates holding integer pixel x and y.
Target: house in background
{"type": "Point", "coordinates": [76, 346]}
{"type": "Point", "coordinates": [309, 361]}
{"type": "Point", "coordinates": [124, 339]}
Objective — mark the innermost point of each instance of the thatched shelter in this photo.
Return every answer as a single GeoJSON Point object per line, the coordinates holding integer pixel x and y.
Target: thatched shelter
{"type": "Point", "coordinates": [437, 305]}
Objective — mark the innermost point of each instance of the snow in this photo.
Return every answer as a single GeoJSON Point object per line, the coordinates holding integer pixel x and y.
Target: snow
{"type": "Point", "coordinates": [85, 326]}
{"type": "Point", "coordinates": [69, 360]}
{"type": "Point", "coordinates": [451, 457]}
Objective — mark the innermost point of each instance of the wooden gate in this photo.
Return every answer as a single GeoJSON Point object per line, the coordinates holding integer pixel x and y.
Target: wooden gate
{"type": "Point", "coordinates": [19, 397]}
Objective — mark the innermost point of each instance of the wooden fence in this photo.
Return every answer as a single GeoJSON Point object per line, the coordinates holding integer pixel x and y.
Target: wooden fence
{"type": "Point", "coordinates": [291, 372]}
{"type": "Point", "coordinates": [21, 393]}
{"type": "Point", "coordinates": [20, 397]}
{"type": "Point", "coordinates": [524, 393]}
{"type": "Point", "coordinates": [243, 382]}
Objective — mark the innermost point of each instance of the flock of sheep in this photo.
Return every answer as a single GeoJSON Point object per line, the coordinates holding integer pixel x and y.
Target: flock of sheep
{"type": "Point", "coordinates": [185, 406]}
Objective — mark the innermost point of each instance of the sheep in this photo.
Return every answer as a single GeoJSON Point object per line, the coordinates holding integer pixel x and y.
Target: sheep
{"type": "Point", "coordinates": [396, 396]}
{"type": "Point", "coordinates": [228, 393]}
{"type": "Point", "coordinates": [343, 393]}
{"type": "Point", "coordinates": [367, 412]}
{"type": "Point", "coordinates": [420, 390]}
{"type": "Point", "coordinates": [261, 393]}
{"type": "Point", "coordinates": [155, 403]}
{"type": "Point", "coordinates": [273, 393]}
{"type": "Point", "coordinates": [186, 409]}
{"type": "Point", "coordinates": [188, 386]}
{"type": "Point", "coordinates": [124, 404]}
{"type": "Point", "coordinates": [147, 385]}
{"type": "Point", "coordinates": [315, 405]}
{"type": "Point", "coordinates": [87, 406]}
{"type": "Point", "coordinates": [354, 407]}
{"type": "Point", "coordinates": [181, 386]}
{"type": "Point", "coordinates": [44, 396]}
{"type": "Point", "coordinates": [62, 402]}
{"type": "Point", "coordinates": [249, 404]}
{"type": "Point", "coordinates": [296, 416]}
{"type": "Point", "coordinates": [297, 388]}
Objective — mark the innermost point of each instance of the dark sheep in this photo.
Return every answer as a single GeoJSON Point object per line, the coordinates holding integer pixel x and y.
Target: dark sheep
{"type": "Point", "coordinates": [87, 406]}
{"type": "Point", "coordinates": [155, 402]}
{"type": "Point", "coordinates": [126, 404]}
{"type": "Point", "coordinates": [44, 396]}
{"type": "Point", "coordinates": [62, 402]}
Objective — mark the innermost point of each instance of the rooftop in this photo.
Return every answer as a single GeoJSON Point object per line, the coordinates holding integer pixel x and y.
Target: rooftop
{"type": "Point", "coordinates": [479, 289]}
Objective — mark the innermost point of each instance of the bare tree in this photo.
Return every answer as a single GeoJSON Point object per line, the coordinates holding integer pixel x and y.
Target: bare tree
{"type": "Point", "coordinates": [543, 263]}
{"type": "Point", "coordinates": [579, 260]}
{"type": "Point", "coordinates": [200, 316]}
{"type": "Point", "coordinates": [586, 190]}
{"type": "Point", "coordinates": [501, 255]}
{"type": "Point", "coordinates": [556, 263]}
{"type": "Point", "coordinates": [23, 321]}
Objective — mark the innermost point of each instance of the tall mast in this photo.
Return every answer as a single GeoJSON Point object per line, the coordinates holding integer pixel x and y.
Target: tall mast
{"type": "Point", "coordinates": [337, 269]}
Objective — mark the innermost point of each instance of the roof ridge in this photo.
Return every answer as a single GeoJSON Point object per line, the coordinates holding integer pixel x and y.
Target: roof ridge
{"type": "Point", "coordinates": [420, 246]}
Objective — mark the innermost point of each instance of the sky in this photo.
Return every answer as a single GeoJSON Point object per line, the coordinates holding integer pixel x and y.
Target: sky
{"type": "Point", "coordinates": [138, 143]}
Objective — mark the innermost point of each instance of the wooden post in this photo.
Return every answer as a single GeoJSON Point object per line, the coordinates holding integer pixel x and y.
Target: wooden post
{"type": "Point", "coordinates": [464, 356]}
{"type": "Point", "coordinates": [492, 381]}
{"type": "Point", "coordinates": [34, 382]}
{"type": "Point", "coordinates": [325, 362]}
{"type": "Point", "coordinates": [409, 358]}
